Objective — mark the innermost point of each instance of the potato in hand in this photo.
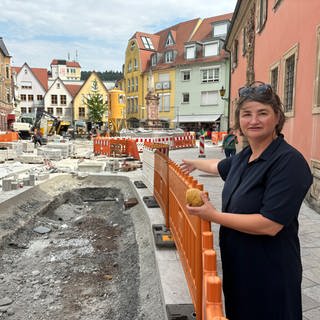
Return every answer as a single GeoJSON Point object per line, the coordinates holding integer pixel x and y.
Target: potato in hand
{"type": "Point", "coordinates": [193, 197]}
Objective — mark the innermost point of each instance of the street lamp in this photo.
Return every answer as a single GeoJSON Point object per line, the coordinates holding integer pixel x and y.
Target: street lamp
{"type": "Point", "coordinates": [222, 92]}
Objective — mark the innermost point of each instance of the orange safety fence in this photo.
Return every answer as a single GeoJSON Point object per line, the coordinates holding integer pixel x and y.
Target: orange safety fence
{"type": "Point", "coordinates": [9, 137]}
{"type": "Point", "coordinates": [161, 183]}
{"type": "Point", "coordinates": [217, 137]}
{"type": "Point", "coordinates": [113, 147]}
{"type": "Point", "coordinates": [186, 231]}
{"type": "Point", "coordinates": [192, 236]}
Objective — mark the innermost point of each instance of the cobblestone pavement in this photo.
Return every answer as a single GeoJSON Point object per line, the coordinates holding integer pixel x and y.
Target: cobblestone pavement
{"type": "Point", "coordinates": [309, 232]}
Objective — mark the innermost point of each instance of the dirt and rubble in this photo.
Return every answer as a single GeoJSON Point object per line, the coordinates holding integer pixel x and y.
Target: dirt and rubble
{"type": "Point", "coordinates": [71, 249]}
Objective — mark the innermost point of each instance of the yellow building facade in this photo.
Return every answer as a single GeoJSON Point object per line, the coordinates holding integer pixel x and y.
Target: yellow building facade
{"type": "Point", "coordinates": [92, 85]}
{"type": "Point", "coordinates": [133, 84]}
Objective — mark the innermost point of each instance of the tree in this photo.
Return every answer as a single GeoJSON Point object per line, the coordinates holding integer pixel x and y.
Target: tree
{"type": "Point", "coordinates": [97, 107]}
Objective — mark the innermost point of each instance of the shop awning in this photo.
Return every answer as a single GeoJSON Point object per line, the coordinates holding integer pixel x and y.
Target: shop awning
{"type": "Point", "coordinates": [197, 118]}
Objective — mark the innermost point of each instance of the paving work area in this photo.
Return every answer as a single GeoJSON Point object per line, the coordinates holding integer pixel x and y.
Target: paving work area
{"type": "Point", "coordinates": [48, 274]}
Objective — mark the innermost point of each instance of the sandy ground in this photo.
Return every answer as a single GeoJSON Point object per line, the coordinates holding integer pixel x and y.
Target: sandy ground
{"type": "Point", "coordinates": [71, 250]}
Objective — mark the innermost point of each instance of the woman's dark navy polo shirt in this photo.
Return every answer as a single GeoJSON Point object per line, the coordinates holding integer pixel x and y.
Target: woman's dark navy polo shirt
{"type": "Point", "coordinates": [262, 274]}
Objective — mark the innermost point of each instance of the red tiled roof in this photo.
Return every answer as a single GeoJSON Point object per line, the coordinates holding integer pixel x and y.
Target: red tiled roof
{"type": "Point", "coordinates": [74, 64]}
{"type": "Point", "coordinates": [204, 31]}
{"type": "Point", "coordinates": [40, 73]}
{"type": "Point", "coordinates": [65, 62]}
{"type": "Point", "coordinates": [73, 89]}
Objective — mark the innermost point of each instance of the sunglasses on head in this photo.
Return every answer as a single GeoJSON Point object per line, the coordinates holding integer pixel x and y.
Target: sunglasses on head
{"type": "Point", "coordinates": [260, 89]}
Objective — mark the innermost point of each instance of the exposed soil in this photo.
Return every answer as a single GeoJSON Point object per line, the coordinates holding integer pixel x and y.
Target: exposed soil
{"type": "Point", "coordinates": [70, 250]}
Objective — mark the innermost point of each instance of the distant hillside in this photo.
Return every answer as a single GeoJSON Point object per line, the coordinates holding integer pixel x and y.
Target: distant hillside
{"type": "Point", "coordinates": [104, 76]}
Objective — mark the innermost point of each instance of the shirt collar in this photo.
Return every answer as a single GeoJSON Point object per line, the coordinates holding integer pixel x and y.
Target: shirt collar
{"type": "Point", "coordinates": [267, 153]}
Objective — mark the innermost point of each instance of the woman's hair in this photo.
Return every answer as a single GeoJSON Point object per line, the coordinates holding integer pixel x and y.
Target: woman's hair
{"type": "Point", "coordinates": [263, 93]}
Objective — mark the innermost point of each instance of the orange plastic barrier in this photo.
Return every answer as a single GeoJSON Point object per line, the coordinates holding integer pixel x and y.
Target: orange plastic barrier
{"type": "Point", "coordinates": [161, 183]}
{"type": "Point", "coordinates": [9, 137]}
{"type": "Point", "coordinates": [215, 137]}
{"type": "Point", "coordinates": [186, 231]}
{"type": "Point", "coordinates": [192, 236]}
{"type": "Point", "coordinates": [113, 147]}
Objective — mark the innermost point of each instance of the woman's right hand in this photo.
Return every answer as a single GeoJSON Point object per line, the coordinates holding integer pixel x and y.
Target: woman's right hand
{"type": "Point", "coordinates": [187, 166]}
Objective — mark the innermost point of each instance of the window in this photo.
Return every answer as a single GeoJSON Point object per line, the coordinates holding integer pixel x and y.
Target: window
{"type": "Point", "coordinates": [185, 75]}
{"type": "Point", "coordinates": [169, 41]}
{"type": "Point", "coordinates": [164, 102]}
{"type": "Point", "coordinates": [209, 98]}
{"type": "Point", "coordinates": [137, 84]}
{"type": "Point", "coordinates": [82, 112]}
{"type": "Point", "coordinates": [58, 85]}
{"type": "Point", "coordinates": [168, 56]}
{"type": "Point", "coordinates": [185, 97]}
{"type": "Point", "coordinates": [289, 75]}
{"type": "Point", "coordinates": [26, 85]}
{"type": "Point", "coordinates": [154, 59]}
{"type": "Point", "coordinates": [130, 66]}
{"type": "Point", "coordinates": [262, 8]}
{"type": "Point", "coordinates": [54, 99]}
{"type": "Point", "coordinates": [39, 97]}
{"type": "Point", "coordinates": [50, 110]}
{"type": "Point", "coordinates": [135, 64]}
{"type": "Point", "coordinates": [63, 99]}
{"type": "Point", "coordinates": [30, 110]}
{"type": "Point", "coordinates": [128, 85]}
{"type": "Point", "coordinates": [244, 41]}
{"type": "Point", "coordinates": [234, 54]}
{"type": "Point", "coordinates": [211, 49]}
{"type": "Point", "coordinates": [316, 99]}
{"type": "Point", "coordinates": [23, 97]}
{"type": "Point", "coordinates": [7, 71]}
{"type": "Point", "coordinates": [289, 83]}
{"type": "Point", "coordinates": [23, 110]}
{"type": "Point", "coordinates": [30, 97]}
{"type": "Point", "coordinates": [136, 104]}
{"type": "Point", "coordinates": [190, 52]}
{"type": "Point", "coordinates": [59, 111]}
{"type": "Point", "coordinates": [210, 75]}
{"type": "Point", "coordinates": [132, 84]}
{"type": "Point", "coordinates": [274, 76]}
{"type": "Point", "coordinates": [220, 29]}
{"type": "Point", "coordinates": [147, 43]}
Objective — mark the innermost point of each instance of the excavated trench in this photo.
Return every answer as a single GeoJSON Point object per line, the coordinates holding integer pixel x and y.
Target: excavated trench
{"type": "Point", "coordinates": [79, 255]}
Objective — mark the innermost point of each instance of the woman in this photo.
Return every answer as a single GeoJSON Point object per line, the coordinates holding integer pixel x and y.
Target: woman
{"type": "Point", "coordinates": [229, 143]}
{"type": "Point", "coordinates": [265, 185]}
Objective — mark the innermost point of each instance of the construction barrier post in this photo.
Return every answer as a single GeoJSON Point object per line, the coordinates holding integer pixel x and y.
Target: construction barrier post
{"type": "Point", "coordinates": [201, 147]}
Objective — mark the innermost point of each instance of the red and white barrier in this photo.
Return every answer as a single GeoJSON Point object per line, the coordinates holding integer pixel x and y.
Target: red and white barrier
{"type": "Point", "coordinates": [201, 147]}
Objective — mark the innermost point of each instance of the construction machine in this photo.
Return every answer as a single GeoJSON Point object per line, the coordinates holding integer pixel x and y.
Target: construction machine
{"type": "Point", "coordinates": [54, 125]}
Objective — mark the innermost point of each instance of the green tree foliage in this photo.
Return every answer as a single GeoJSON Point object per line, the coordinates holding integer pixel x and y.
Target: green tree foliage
{"type": "Point", "coordinates": [96, 106]}
{"type": "Point", "coordinates": [104, 76]}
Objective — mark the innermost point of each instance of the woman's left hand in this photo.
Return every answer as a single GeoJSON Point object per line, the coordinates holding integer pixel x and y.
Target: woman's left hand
{"type": "Point", "coordinates": [206, 211]}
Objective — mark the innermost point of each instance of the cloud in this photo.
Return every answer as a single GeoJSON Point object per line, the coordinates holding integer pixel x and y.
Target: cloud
{"type": "Point", "coordinates": [37, 31]}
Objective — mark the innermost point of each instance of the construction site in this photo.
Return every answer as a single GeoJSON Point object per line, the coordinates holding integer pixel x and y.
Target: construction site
{"type": "Point", "coordinates": [88, 232]}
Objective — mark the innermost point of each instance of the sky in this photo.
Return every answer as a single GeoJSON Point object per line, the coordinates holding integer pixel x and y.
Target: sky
{"type": "Point", "coordinates": [93, 32]}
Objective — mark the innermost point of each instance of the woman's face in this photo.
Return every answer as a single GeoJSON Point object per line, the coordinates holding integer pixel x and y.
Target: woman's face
{"type": "Point", "coordinates": [257, 121]}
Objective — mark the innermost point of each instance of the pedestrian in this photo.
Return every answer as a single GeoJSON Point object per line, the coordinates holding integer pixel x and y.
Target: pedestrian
{"type": "Point", "coordinates": [229, 143]}
{"type": "Point", "coordinates": [36, 138]}
{"type": "Point", "coordinates": [265, 185]}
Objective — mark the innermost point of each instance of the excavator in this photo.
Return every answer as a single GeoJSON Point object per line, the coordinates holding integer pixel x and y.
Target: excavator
{"type": "Point", "coordinates": [53, 126]}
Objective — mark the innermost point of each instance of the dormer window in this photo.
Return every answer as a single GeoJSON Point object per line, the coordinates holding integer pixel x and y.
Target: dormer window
{"type": "Point", "coordinates": [168, 56]}
{"type": "Point", "coordinates": [220, 29]}
{"type": "Point", "coordinates": [154, 60]}
{"type": "Point", "coordinates": [169, 41]}
{"type": "Point", "coordinates": [211, 49]}
{"type": "Point", "coordinates": [147, 43]}
{"type": "Point", "coordinates": [190, 52]}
